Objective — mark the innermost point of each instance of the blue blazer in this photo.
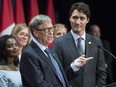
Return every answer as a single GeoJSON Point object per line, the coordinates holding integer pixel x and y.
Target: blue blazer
{"type": "Point", "coordinates": [37, 70]}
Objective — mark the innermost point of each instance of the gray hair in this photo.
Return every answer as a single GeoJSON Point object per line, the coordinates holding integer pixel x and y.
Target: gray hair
{"type": "Point", "coordinates": [38, 20]}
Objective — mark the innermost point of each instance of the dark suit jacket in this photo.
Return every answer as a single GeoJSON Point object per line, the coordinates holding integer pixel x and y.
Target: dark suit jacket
{"type": "Point", "coordinates": [108, 57]}
{"type": "Point", "coordinates": [109, 61]}
{"type": "Point", "coordinates": [37, 70]}
{"type": "Point", "coordinates": [93, 73]}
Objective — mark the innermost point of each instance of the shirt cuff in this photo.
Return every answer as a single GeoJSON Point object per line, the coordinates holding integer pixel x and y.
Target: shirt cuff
{"type": "Point", "coordinates": [75, 69]}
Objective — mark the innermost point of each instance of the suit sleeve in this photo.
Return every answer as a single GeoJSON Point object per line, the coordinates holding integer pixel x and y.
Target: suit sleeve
{"type": "Point", "coordinates": [31, 72]}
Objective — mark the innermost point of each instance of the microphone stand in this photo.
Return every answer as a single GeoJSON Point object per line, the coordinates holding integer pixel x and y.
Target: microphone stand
{"type": "Point", "coordinates": [107, 51]}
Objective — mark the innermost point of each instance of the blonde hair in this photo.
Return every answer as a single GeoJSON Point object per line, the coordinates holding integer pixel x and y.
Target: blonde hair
{"type": "Point", "coordinates": [59, 26]}
{"type": "Point", "coordinates": [18, 28]}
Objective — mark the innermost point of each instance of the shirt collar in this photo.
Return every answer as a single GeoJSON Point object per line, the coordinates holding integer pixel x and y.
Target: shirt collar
{"type": "Point", "coordinates": [42, 47]}
{"type": "Point", "coordinates": [76, 36]}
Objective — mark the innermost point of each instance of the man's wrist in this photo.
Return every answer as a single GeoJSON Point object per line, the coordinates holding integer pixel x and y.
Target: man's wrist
{"type": "Point", "coordinates": [75, 69]}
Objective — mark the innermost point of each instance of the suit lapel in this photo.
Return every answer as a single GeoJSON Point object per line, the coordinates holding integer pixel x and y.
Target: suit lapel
{"type": "Point", "coordinates": [88, 49]}
{"type": "Point", "coordinates": [88, 45]}
{"type": "Point", "coordinates": [42, 55]}
{"type": "Point", "coordinates": [71, 44]}
{"type": "Point", "coordinates": [56, 58]}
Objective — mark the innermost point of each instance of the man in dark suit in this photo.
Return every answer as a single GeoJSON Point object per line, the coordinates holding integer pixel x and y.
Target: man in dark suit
{"type": "Point", "coordinates": [93, 74]}
{"type": "Point", "coordinates": [95, 30]}
{"type": "Point", "coordinates": [40, 66]}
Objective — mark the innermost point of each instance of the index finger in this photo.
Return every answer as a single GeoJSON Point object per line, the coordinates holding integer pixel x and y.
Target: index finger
{"type": "Point", "coordinates": [89, 58]}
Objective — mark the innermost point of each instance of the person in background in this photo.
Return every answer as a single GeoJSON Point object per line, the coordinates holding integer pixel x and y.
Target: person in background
{"type": "Point", "coordinates": [77, 42]}
{"type": "Point", "coordinates": [9, 70]}
{"type": "Point", "coordinates": [96, 31]}
{"type": "Point", "coordinates": [39, 65]}
{"type": "Point", "coordinates": [59, 30]}
{"type": "Point", "coordinates": [22, 34]}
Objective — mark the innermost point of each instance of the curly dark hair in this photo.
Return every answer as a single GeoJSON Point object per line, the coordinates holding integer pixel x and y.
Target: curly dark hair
{"type": "Point", "coordinates": [3, 57]}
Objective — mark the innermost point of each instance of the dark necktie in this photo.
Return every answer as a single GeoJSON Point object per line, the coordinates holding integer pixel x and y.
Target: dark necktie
{"type": "Point", "coordinates": [79, 46]}
{"type": "Point", "coordinates": [59, 73]}
{"type": "Point", "coordinates": [80, 50]}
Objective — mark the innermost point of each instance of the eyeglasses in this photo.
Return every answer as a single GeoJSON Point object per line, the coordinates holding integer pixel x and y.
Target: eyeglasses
{"type": "Point", "coordinates": [46, 30]}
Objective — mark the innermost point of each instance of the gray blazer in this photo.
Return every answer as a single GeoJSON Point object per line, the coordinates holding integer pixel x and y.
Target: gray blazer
{"type": "Point", "coordinates": [93, 74]}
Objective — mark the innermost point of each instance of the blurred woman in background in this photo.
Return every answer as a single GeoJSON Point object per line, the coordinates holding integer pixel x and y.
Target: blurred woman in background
{"type": "Point", "coordinates": [22, 34]}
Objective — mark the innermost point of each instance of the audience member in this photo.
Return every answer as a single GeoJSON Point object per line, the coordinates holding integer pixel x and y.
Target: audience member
{"type": "Point", "coordinates": [96, 31]}
{"type": "Point", "coordinates": [39, 65]}
{"type": "Point", "coordinates": [78, 42]}
{"type": "Point", "coordinates": [22, 34]}
{"type": "Point", "coordinates": [59, 30]}
{"type": "Point", "coordinates": [9, 72]}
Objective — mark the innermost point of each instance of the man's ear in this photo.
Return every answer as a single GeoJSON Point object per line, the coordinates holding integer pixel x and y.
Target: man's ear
{"type": "Point", "coordinates": [35, 33]}
{"type": "Point", "coordinates": [88, 20]}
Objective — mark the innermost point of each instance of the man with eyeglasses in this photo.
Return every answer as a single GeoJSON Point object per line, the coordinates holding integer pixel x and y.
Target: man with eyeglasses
{"type": "Point", "coordinates": [39, 65]}
{"type": "Point", "coordinates": [46, 30]}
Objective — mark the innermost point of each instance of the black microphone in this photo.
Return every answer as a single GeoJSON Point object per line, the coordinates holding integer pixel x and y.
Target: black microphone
{"type": "Point", "coordinates": [107, 51]}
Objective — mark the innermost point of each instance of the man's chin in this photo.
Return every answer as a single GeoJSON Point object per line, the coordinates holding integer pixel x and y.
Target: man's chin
{"type": "Point", "coordinates": [75, 31]}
